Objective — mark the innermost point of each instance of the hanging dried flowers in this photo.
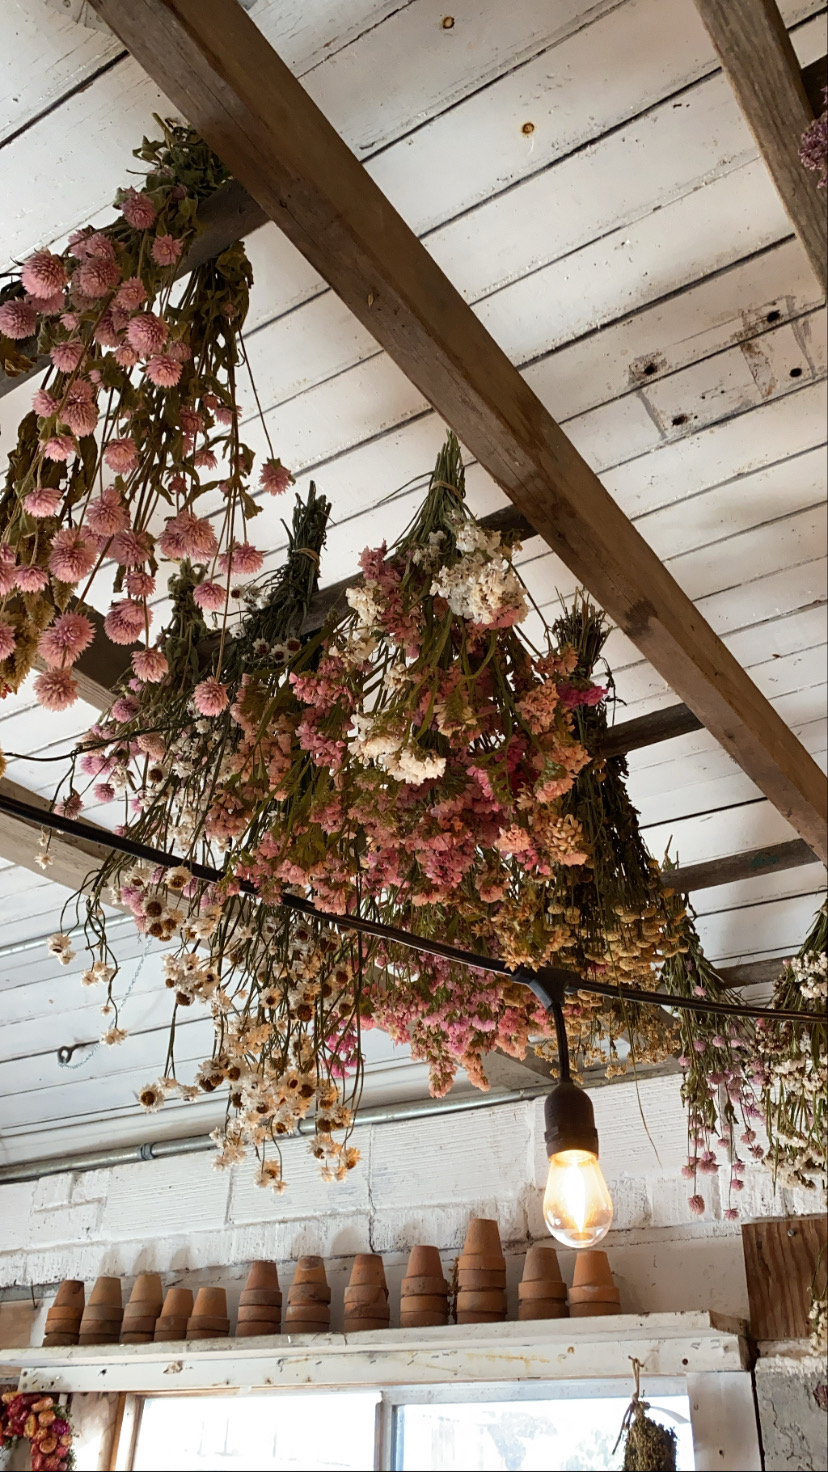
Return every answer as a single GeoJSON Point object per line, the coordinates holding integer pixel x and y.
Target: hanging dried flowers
{"type": "Point", "coordinates": [136, 420]}
{"type": "Point", "coordinates": [813, 149]}
{"type": "Point", "coordinates": [795, 1067]}
{"type": "Point", "coordinates": [649, 1446]}
{"type": "Point", "coordinates": [37, 1419]}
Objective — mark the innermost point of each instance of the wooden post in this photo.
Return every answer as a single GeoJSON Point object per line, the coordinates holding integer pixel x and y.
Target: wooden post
{"type": "Point", "coordinates": [782, 1254]}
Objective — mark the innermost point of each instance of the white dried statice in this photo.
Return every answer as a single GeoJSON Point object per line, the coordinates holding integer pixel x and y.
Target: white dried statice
{"type": "Point", "coordinates": [482, 586]}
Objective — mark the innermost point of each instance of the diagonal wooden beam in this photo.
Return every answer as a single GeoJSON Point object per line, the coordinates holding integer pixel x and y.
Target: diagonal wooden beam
{"type": "Point", "coordinates": [773, 859]}
{"type": "Point", "coordinates": [72, 858]}
{"type": "Point", "coordinates": [759, 61]}
{"type": "Point", "coordinates": [209, 57]}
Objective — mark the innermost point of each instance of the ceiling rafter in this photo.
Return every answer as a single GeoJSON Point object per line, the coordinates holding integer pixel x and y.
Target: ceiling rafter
{"type": "Point", "coordinates": [212, 61]}
{"type": "Point", "coordinates": [759, 61]}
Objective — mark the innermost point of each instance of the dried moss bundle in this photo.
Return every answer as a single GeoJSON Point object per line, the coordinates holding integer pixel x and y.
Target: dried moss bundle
{"type": "Point", "coordinates": [649, 1447]}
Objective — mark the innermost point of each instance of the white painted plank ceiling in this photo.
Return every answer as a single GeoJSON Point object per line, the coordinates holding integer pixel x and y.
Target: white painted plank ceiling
{"type": "Point", "coordinates": [630, 254]}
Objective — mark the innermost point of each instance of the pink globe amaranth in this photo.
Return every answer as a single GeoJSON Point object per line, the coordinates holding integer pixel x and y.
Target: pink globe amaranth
{"type": "Point", "coordinates": [42, 501]}
{"type": "Point", "coordinates": [67, 355]}
{"type": "Point", "coordinates": [44, 403]}
{"type": "Point", "coordinates": [188, 535]}
{"type": "Point", "coordinates": [147, 333]}
{"type": "Point", "coordinates": [125, 621]}
{"type": "Point", "coordinates": [72, 555]}
{"type": "Point", "coordinates": [43, 274]}
{"type": "Point", "coordinates": [274, 477]}
{"type": "Point", "coordinates": [48, 306]}
{"type": "Point", "coordinates": [138, 210]}
{"type": "Point", "coordinates": [96, 278]}
{"type": "Point", "coordinates": [8, 639]}
{"type": "Point", "coordinates": [150, 665]}
{"type": "Point", "coordinates": [210, 697]}
{"type": "Point", "coordinates": [124, 708]}
{"type": "Point", "coordinates": [140, 584]}
{"type": "Point", "coordinates": [18, 320]}
{"type": "Point", "coordinates": [166, 250]}
{"type": "Point", "coordinates": [107, 515]}
{"type": "Point", "coordinates": [56, 689]}
{"type": "Point", "coordinates": [243, 559]}
{"type": "Point", "coordinates": [103, 792]}
{"type": "Point", "coordinates": [79, 410]}
{"type": "Point", "coordinates": [125, 356]}
{"type": "Point", "coordinates": [205, 460]}
{"type": "Point", "coordinates": [131, 548]}
{"type": "Point", "coordinates": [31, 579]}
{"type": "Point", "coordinates": [89, 242]}
{"type": "Point", "coordinates": [190, 420]}
{"type": "Point", "coordinates": [8, 569]}
{"type": "Point", "coordinates": [121, 455]}
{"type": "Point", "coordinates": [209, 596]}
{"type": "Point", "coordinates": [59, 447]}
{"type": "Point", "coordinates": [163, 370]}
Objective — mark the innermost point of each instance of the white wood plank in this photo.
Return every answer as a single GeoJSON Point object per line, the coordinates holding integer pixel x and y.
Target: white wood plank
{"type": "Point", "coordinates": [42, 56]}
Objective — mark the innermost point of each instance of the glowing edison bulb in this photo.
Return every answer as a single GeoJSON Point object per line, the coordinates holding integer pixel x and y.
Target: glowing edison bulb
{"type": "Point", "coordinates": [577, 1206]}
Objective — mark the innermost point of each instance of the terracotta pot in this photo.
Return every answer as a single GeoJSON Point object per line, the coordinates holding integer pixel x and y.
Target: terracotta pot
{"type": "Point", "coordinates": [311, 1313]}
{"type": "Point", "coordinates": [592, 1310]}
{"type": "Point", "coordinates": [139, 1324]}
{"type": "Point", "coordinates": [423, 1320]}
{"type": "Point", "coordinates": [483, 1238]}
{"type": "Point", "coordinates": [425, 1303]}
{"type": "Point", "coordinates": [168, 1336]}
{"type": "Point", "coordinates": [70, 1294]}
{"type": "Point", "coordinates": [147, 1289]}
{"type": "Point", "coordinates": [215, 1322]}
{"type": "Point", "coordinates": [359, 1326]}
{"type": "Point", "coordinates": [64, 1316]}
{"type": "Point", "coordinates": [207, 1334]}
{"type": "Point", "coordinates": [541, 1263]}
{"type": "Point", "coordinates": [263, 1326]}
{"type": "Point", "coordinates": [58, 1340]}
{"type": "Point", "coordinates": [424, 1285]}
{"type": "Point", "coordinates": [256, 1330]}
{"type": "Point", "coordinates": [478, 1316]}
{"type": "Point", "coordinates": [97, 1337]}
{"type": "Point", "coordinates": [424, 1262]}
{"type": "Point", "coordinates": [100, 1313]}
{"type": "Point", "coordinates": [368, 1267]}
{"type": "Point", "coordinates": [481, 1262]}
{"type": "Point", "coordinates": [210, 1301]}
{"type": "Point", "coordinates": [543, 1308]}
{"type": "Point", "coordinates": [541, 1288]}
{"type": "Point", "coordinates": [379, 1309]}
{"type": "Point", "coordinates": [366, 1293]}
{"type": "Point", "coordinates": [310, 1270]}
{"type": "Point", "coordinates": [592, 1267]}
{"type": "Point", "coordinates": [596, 1293]}
{"type": "Point", "coordinates": [477, 1280]}
{"type": "Point", "coordinates": [266, 1296]}
{"type": "Point", "coordinates": [306, 1326]}
{"type": "Point", "coordinates": [174, 1328]}
{"type": "Point", "coordinates": [309, 1293]}
{"type": "Point", "coordinates": [262, 1275]}
{"type": "Point", "coordinates": [136, 1339]}
{"type": "Point", "coordinates": [106, 1291]}
{"type": "Point", "coordinates": [178, 1303]}
{"type": "Point", "coordinates": [492, 1300]}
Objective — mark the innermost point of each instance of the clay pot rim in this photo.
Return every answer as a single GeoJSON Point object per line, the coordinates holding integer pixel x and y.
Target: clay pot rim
{"type": "Point", "coordinates": [309, 1293]}
{"type": "Point", "coordinates": [425, 1283]}
{"type": "Point", "coordinates": [597, 1293]}
{"type": "Point", "coordinates": [260, 1295]}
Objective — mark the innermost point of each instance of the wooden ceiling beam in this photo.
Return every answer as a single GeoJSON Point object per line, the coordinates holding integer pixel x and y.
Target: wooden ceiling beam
{"type": "Point", "coordinates": [759, 61]}
{"type": "Point", "coordinates": [210, 58]}
{"type": "Point", "coordinates": [772, 859]}
{"type": "Point", "coordinates": [73, 859]}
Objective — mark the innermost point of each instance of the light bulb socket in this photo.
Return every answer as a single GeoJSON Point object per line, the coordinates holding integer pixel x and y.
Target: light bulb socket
{"type": "Point", "coordinates": [570, 1121]}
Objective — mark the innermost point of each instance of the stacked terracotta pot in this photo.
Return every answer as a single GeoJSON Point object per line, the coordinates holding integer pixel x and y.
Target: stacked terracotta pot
{"type": "Point", "coordinates": [366, 1297]}
{"type": "Point", "coordinates": [209, 1318]}
{"type": "Point", "coordinates": [593, 1290]}
{"type": "Point", "coordinates": [309, 1299]}
{"type": "Point", "coordinates": [63, 1320]}
{"type": "Point", "coordinates": [542, 1292]}
{"type": "Point", "coordinates": [481, 1275]}
{"type": "Point", "coordinates": [424, 1298]}
{"type": "Point", "coordinates": [260, 1306]}
{"type": "Point", "coordinates": [175, 1315]}
{"type": "Point", "coordinates": [141, 1313]}
{"type": "Point", "coordinates": [101, 1322]}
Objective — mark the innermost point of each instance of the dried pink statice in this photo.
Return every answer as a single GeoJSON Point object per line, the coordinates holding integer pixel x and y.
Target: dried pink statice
{"type": "Point", "coordinates": [243, 559]}
{"type": "Point", "coordinates": [166, 250]}
{"type": "Point", "coordinates": [125, 621]}
{"type": "Point", "coordinates": [43, 501]}
{"type": "Point", "coordinates": [31, 579]}
{"type": "Point", "coordinates": [43, 274]}
{"type": "Point", "coordinates": [210, 697]}
{"type": "Point", "coordinates": [209, 596]}
{"type": "Point", "coordinates": [8, 639]}
{"type": "Point", "coordinates": [163, 370]}
{"type": "Point", "coordinates": [131, 548]}
{"type": "Point", "coordinates": [138, 210]}
{"type": "Point", "coordinates": [274, 478]}
{"type": "Point", "coordinates": [147, 333]}
{"type": "Point", "coordinates": [72, 555]}
{"type": "Point", "coordinates": [131, 294]}
{"type": "Point", "coordinates": [44, 404]}
{"type": "Point", "coordinates": [121, 455]}
{"type": "Point", "coordinates": [188, 535]}
{"type": "Point", "coordinates": [107, 515]}
{"type": "Point", "coordinates": [67, 355]}
{"type": "Point", "coordinates": [80, 411]}
{"type": "Point", "coordinates": [150, 665]}
{"type": "Point", "coordinates": [59, 447]}
{"type": "Point", "coordinates": [18, 320]}
{"type": "Point", "coordinates": [56, 689]}
{"type": "Point", "coordinates": [65, 640]}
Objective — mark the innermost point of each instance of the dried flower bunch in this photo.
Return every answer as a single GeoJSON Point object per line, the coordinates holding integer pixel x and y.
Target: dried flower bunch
{"type": "Point", "coordinates": [813, 149]}
{"type": "Point", "coordinates": [37, 1419]}
{"type": "Point", "coordinates": [795, 1067]}
{"type": "Point", "coordinates": [136, 419]}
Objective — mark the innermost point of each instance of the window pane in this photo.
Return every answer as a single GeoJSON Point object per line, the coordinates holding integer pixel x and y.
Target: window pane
{"type": "Point", "coordinates": [258, 1433]}
{"type": "Point", "coordinates": [572, 1435]}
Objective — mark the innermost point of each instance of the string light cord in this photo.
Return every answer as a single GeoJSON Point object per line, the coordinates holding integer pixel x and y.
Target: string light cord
{"type": "Point", "coordinates": [75, 829]}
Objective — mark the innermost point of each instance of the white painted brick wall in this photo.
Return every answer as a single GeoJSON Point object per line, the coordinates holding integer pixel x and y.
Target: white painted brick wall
{"type": "Point", "coordinates": [418, 1181]}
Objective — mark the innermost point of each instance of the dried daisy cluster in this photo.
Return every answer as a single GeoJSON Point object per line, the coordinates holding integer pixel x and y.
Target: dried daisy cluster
{"type": "Point", "coordinates": [721, 1075]}
{"type": "Point", "coordinates": [136, 418]}
{"type": "Point", "coordinates": [794, 1060]}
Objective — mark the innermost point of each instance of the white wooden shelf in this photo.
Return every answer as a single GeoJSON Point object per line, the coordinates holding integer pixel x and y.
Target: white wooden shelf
{"type": "Point", "coordinates": [674, 1344]}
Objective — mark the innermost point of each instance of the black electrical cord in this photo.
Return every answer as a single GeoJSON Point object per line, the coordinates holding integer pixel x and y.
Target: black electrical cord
{"type": "Point", "coordinates": [534, 980]}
